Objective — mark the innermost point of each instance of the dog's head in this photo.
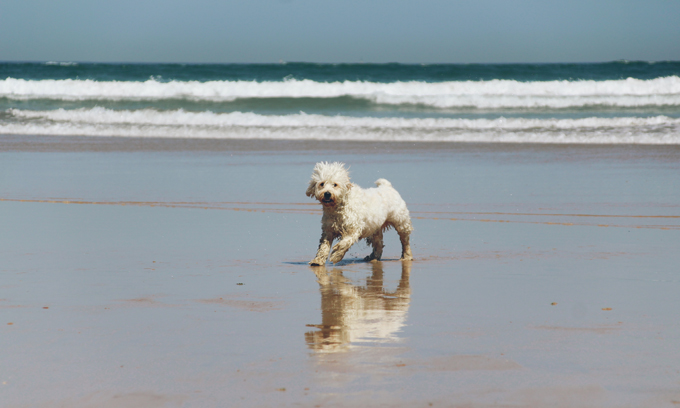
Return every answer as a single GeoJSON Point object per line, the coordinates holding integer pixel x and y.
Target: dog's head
{"type": "Point", "coordinates": [329, 183]}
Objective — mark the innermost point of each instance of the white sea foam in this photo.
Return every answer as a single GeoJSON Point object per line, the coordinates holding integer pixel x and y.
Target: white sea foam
{"type": "Point", "coordinates": [476, 94]}
{"type": "Point", "coordinates": [182, 124]}
{"type": "Point", "coordinates": [62, 63]}
{"type": "Point", "coordinates": [180, 117]}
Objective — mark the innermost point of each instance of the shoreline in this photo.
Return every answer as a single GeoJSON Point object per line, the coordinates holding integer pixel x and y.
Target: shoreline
{"type": "Point", "coordinates": [38, 143]}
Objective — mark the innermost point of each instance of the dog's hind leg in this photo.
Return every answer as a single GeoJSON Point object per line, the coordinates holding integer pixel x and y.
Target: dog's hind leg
{"type": "Point", "coordinates": [404, 232]}
{"type": "Point", "coordinates": [376, 241]}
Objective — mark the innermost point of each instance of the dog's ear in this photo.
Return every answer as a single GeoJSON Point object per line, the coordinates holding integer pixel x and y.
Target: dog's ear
{"type": "Point", "coordinates": [349, 186]}
{"type": "Point", "coordinates": [310, 189]}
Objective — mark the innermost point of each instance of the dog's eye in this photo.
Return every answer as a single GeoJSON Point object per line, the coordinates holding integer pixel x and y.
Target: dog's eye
{"type": "Point", "coordinates": [335, 184]}
{"type": "Point", "coordinates": [321, 185]}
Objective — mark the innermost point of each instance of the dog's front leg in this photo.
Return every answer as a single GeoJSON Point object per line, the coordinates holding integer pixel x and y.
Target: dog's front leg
{"type": "Point", "coordinates": [341, 248]}
{"type": "Point", "coordinates": [324, 249]}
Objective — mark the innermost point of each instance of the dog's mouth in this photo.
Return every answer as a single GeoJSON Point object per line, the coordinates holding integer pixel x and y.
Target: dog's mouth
{"type": "Point", "coordinates": [327, 201]}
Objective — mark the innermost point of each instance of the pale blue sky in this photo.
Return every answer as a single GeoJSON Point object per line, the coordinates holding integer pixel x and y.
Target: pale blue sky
{"type": "Point", "coordinates": [411, 31]}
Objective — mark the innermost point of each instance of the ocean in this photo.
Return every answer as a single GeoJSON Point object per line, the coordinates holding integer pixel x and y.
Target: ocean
{"type": "Point", "coordinates": [619, 102]}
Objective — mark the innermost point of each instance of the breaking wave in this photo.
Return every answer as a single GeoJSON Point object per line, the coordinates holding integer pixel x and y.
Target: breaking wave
{"type": "Point", "coordinates": [492, 94]}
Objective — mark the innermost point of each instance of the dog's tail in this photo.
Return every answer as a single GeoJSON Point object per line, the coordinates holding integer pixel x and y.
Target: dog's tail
{"type": "Point", "coordinates": [383, 182]}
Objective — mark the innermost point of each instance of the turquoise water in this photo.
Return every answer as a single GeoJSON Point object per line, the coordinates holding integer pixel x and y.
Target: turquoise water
{"type": "Point", "coordinates": [612, 103]}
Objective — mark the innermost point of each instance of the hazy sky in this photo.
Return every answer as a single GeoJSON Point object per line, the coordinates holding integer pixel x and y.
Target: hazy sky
{"type": "Point", "coordinates": [339, 30]}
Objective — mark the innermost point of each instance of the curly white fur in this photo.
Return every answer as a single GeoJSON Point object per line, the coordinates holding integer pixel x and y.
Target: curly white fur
{"type": "Point", "coordinates": [352, 213]}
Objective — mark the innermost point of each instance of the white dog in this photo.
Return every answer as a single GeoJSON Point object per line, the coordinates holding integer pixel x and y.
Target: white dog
{"type": "Point", "coordinates": [353, 213]}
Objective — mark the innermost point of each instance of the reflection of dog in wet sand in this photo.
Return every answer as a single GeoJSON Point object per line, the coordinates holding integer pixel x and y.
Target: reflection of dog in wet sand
{"type": "Point", "coordinates": [352, 213]}
{"type": "Point", "coordinates": [351, 313]}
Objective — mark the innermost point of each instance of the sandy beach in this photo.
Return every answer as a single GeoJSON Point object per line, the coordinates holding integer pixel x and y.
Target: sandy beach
{"type": "Point", "coordinates": [173, 273]}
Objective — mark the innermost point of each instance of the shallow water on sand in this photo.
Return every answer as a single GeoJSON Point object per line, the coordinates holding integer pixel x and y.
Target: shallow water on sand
{"type": "Point", "coordinates": [179, 277]}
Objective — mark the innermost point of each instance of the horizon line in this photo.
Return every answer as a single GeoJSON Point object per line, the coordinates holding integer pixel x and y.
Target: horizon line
{"type": "Point", "coordinates": [282, 62]}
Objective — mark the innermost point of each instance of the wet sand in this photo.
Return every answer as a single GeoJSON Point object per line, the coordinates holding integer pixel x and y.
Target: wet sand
{"type": "Point", "coordinates": [170, 273]}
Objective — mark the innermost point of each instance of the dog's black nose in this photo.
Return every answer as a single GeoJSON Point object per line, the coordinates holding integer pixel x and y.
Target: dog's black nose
{"type": "Point", "coordinates": [327, 195]}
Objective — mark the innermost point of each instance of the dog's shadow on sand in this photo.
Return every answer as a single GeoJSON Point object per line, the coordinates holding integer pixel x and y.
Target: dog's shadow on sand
{"type": "Point", "coordinates": [346, 262]}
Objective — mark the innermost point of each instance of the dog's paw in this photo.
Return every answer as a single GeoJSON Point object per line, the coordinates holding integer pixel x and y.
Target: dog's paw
{"type": "Point", "coordinates": [406, 258]}
{"type": "Point", "coordinates": [336, 257]}
{"type": "Point", "coordinates": [317, 262]}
